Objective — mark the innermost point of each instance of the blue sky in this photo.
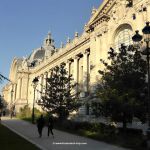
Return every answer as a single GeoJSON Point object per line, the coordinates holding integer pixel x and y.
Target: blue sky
{"type": "Point", "coordinates": [25, 23]}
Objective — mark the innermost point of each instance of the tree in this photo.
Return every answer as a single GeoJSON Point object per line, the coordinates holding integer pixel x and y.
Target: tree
{"type": "Point", "coordinates": [0, 78]}
{"type": "Point", "coordinates": [3, 77]}
{"type": "Point", "coordinates": [122, 88]}
{"type": "Point", "coordinates": [1, 103]}
{"type": "Point", "coordinates": [59, 97]}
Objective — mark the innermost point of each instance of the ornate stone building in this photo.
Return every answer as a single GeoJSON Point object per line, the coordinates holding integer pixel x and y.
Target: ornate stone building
{"type": "Point", "coordinates": [112, 24]}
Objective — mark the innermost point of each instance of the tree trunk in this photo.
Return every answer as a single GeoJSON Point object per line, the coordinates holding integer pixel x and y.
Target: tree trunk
{"type": "Point", "coordinates": [124, 125]}
{"type": "Point", "coordinates": [124, 122]}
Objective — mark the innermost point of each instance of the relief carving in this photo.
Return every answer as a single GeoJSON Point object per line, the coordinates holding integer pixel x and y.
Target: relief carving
{"type": "Point", "coordinates": [118, 12]}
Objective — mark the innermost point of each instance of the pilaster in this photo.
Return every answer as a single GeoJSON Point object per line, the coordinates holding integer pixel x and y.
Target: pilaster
{"type": "Point", "coordinates": [85, 70]}
{"type": "Point", "coordinates": [44, 82]}
{"type": "Point", "coordinates": [76, 71]}
{"type": "Point", "coordinates": [19, 89]}
{"type": "Point", "coordinates": [68, 66]}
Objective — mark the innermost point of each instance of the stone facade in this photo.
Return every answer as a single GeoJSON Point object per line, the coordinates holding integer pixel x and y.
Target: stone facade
{"type": "Point", "coordinates": [112, 24]}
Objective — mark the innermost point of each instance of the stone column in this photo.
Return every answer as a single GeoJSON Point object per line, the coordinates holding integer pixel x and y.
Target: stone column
{"type": "Point", "coordinates": [12, 93]}
{"type": "Point", "coordinates": [15, 91]}
{"type": "Point", "coordinates": [44, 82]}
{"type": "Point", "coordinates": [27, 96]}
{"type": "Point", "coordinates": [68, 66]}
{"type": "Point", "coordinates": [49, 74]}
{"type": "Point", "coordinates": [19, 88]}
{"type": "Point", "coordinates": [40, 87]}
{"type": "Point", "coordinates": [41, 83]}
{"type": "Point", "coordinates": [85, 70]}
{"type": "Point", "coordinates": [24, 87]}
{"type": "Point", "coordinates": [76, 71]}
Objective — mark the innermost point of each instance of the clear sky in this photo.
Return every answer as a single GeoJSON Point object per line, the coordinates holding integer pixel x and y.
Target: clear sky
{"type": "Point", "coordinates": [25, 23]}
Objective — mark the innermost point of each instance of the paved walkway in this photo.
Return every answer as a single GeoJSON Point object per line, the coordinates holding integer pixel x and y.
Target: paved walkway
{"type": "Point", "coordinates": [62, 140]}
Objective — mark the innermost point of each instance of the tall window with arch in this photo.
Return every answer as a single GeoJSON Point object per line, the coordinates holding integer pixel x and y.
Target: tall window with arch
{"type": "Point", "coordinates": [123, 36]}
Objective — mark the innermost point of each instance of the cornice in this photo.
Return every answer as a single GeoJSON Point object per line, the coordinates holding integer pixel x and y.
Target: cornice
{"type": "Point", "coordinates": [64, 51]}
{"type": "Point", "coordinates": [101, 15]}
{"type": "Point", "coordinates": [101, 19]}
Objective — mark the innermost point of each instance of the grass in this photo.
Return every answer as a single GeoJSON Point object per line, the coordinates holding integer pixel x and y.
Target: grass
{"type": "Point", "coordinates": [11, 141]}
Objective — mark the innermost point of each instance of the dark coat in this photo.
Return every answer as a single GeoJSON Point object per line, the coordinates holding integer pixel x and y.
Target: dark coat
{"type": "Point", "coordinates": [50, 123]}
{"type": "Point", "coordinates": [40, 122]}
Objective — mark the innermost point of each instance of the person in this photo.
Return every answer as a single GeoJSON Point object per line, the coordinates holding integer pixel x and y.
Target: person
{"type": "Point", "coordinates": [4, 113]}
{"type": "Point", "coordinates": [12, 114]}
{"type": "Point", "coordinates": [40, 125]}
{"type": "Point", "coordinates": [50, 126]}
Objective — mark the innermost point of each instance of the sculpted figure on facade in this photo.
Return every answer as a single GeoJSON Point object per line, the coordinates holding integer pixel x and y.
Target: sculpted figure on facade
{"type": "Point", "coordinates": [24, 63]}
{"type": "Point", "coordinates": [118, 12]}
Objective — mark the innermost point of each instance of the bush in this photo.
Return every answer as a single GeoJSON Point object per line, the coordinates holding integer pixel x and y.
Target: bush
{"type": "Point", "coordinates": [26, 113]}
{"type": "Point", "coordinates": [132, 138]}
{"type": "Point", "coordinates": [131, 131]}
{"type": "Point", "coordinates": [86, 126]}
{"type": "Point", "coordinates": [37, 113]}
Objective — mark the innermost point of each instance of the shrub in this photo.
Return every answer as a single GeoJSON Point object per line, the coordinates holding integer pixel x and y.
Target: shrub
{"type": "Point", "coordinates": [37, 113]}
{"type": "Point", "coordinates": [24, 112]}
{"type": "Point", "coordinates": [131, 138]}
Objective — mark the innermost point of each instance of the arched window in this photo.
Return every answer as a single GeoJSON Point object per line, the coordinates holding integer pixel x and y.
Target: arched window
{"type": "Point", "coordinates": [123, 36]}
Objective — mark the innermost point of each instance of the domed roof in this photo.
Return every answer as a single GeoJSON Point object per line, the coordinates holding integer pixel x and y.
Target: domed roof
{"type": "Point", "coordinates": [46, 50]}
{"type": "Point", "coordinates": [39, 54]}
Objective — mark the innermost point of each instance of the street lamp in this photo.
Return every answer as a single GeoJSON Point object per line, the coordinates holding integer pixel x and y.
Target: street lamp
{"type": "Point", "coordinates": [137, 38]}
{"type": "Point", "coordinates": [35, 82]}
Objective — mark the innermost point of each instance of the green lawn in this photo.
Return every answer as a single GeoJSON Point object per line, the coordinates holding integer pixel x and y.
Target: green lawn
{"type": "Point", "coordinates": [11, 141]}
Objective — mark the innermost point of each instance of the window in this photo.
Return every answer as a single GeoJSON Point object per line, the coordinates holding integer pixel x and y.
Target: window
{"type": "Point", "coordinates": [123, 37]}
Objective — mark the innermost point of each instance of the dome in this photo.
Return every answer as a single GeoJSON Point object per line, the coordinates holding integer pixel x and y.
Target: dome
{"type": "Point", "coordinates": [43, 52]}
{"type": "Point", "coordinates": [39, 54]}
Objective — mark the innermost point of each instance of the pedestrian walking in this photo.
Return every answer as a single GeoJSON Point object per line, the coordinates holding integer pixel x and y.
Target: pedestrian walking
{"type": "Point", "coordinates": [40, 125]}
{"type": "Point", "coordinates": [4, 113]}
{"type": "Point", "coordinates": [50, 126]}
{"type": "Point", "coordinates": [11, 114]}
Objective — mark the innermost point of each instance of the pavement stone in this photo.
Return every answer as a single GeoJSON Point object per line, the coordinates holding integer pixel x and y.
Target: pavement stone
{"type": "Point", "coordinates": [61, 141]}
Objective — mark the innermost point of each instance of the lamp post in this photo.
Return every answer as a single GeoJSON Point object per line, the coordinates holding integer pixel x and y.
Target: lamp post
{"type": "Point", "coordinates": [35, 82]}
{"type": "Point", "coordinates": [137, 38]}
